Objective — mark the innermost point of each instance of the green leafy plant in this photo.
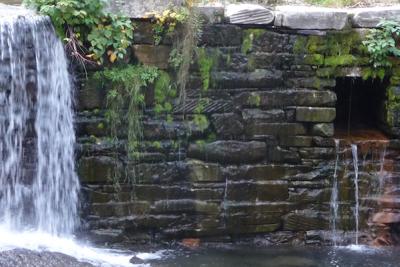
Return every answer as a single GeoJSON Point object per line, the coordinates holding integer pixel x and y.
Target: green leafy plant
{"type": "Point", "coordinates": [175, 59]}
{"type": "Point", "coordinates": [383, 43]}
{"type": "Point", "coordinates": [164, 93]}
{"type": "Point", "coordinates": [199, 119]}
{"type": "Point", "coordinates": [167, 21]}
{"type": "Point", "coordinates": [126, 98]}
{"type": "Point", "coordinates": [89, 32]}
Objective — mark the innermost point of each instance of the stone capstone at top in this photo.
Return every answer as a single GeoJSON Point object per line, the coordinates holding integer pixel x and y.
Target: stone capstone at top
{"type": "Point", "coordinates": [370, 17]}
{"type": "Point", "coordinates": [290, 17]}
{"type": "Point", "coordinates": [249, 14]}
{"type": "Point", "coordinates": [310, 18]}
{"type": "Point", "coordinates": [139, 8]}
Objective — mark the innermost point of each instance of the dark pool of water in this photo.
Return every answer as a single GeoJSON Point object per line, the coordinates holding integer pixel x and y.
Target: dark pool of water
{"type": "Point", "coordinates": [282, 257]}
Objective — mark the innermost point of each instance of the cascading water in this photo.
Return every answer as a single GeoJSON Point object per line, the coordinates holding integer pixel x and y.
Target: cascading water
{"type": "Point", "coordinates": [39, 186]}
{"type": "Point", "coordinates": [356, 194]}
{"type": "Point", "coordinates": [382, 170]}
{"type": "Point", "coordinates": [334, 198]}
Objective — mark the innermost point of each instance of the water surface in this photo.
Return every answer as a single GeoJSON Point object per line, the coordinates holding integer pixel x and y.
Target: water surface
{"type": "Point", "coordinates": [356, 256]}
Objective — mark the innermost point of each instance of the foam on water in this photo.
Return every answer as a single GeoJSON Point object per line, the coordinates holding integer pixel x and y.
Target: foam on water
{"type": "Point", "coordinates": [41, 241]}
{"type": "Point", "coordinates": [361, 248]}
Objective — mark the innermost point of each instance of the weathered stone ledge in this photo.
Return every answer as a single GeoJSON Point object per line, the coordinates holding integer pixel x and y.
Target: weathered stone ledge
{"type": "Point", "coordinates": [292, 17]}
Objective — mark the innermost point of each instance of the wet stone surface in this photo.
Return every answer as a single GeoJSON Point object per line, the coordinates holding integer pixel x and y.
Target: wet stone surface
{"type": "Point", "coordinates": [28, 258]}
{"type": "Point", "coordinates": [259, 158]}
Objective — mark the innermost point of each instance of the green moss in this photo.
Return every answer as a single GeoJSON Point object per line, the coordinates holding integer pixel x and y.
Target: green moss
{"type": "Point", "coordinates": [201, 144]}
{"type": "Point", "coordinates": [228, 59]}
{"type": "Point", "coordinates": [211, 137]}
{"type": "Point", "coordinates": [251, 63]}
{"type": "Point", "coordinates": [157, 144]}
{"type": "Point", "coordinates": [317, 84]}
{"type": "Point", "coordinates": [206, 64]}
{"type": "Point", "coordinates": [326, 72]}
{"type": "Point", "coordinates": [373, 73]}
{"type": "Point", "coordinates": [395, 76]}
{"type": "Point", "coordinates": [331, 52]}
{"type": "Point", "coordinates": [164, 93]}
{"type": "Point", "coordinates": [396, 71]}
{"type": "Point", "coordinates": [315, 44]}
{"type": "Point", "coordinates": [314, 59]}
{"type": "Point", "coordinates": [340, 60]}
{"type": "Point", "coordinates": [100, 126]}
{"type": "Point", "coordinates": [392, 105]}
{"type": "Point", "coordinates": [299, 46]}
{"type": "Point", "coordinates": [201, 121]}
{"type": "Point", "coordinates": [254, 100]}
{"type": "Point", "coordinates": [249, 36]}
{"type": "Point", "coordinates": [342, 43]}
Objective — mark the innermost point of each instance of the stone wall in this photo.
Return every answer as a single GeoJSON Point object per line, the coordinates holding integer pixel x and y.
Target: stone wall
{"type": "Point", "coordinates": [265, 162]}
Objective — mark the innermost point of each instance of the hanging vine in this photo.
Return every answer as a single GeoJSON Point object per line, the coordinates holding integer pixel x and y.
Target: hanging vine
{"type": "Point", "coordinates": [126, 100]}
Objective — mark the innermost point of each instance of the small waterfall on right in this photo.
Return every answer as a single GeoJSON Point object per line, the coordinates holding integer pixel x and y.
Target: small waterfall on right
{"type": "Point", "coordinates": [334, 205]}
{"type": "Point", "coordinates": [354, 151]}
{"type": "Point", "coordinates": [365, 192]}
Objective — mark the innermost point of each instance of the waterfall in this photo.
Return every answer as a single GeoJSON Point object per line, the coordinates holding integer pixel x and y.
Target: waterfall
{"type": "Point", "coordinates": [334, 205]}
{"type": "Point", "coordinates": [356, 194]}
{"type": "Point", "coordinates": [39, 187]}
{"type": "Point", "coordinates": [382, 170]}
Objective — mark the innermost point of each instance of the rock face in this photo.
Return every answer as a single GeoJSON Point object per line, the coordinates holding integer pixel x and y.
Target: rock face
{"type": "Point", "coordinates": [307, 114]}
{"type": "Point", "coordinates": [151, 55]}
{"type": "Point", "coordinates": [258, 158]}
{"type": "Point", "coordinates": [310, 18]}
{"type": "Point", "coordinates": [370, 17]}
{"type": "Point", "coordinates": [229, 151]}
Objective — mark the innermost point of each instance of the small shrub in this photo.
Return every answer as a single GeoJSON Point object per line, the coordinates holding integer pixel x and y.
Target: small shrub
{"type": "Point", "coordinates": [383, 43]}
